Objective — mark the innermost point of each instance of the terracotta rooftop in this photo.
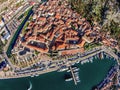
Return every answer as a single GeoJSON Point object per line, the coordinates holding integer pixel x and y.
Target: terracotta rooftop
{"type": "Point", "coordinates": [57, 27]}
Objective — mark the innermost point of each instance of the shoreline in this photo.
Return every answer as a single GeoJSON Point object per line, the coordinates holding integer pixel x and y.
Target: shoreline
{"type": "Point", "coordinates": [28, 75]}
{"type": "Point", "coordinates": [75, 60]}
{"type": "Point", "coordinates": [57, 78]}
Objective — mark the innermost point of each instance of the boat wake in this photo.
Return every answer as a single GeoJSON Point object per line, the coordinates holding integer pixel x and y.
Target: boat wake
{"type": "Point", "coordinates": [30, 87]}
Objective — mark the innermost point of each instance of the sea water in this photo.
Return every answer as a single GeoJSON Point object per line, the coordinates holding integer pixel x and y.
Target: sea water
{"type": "Point", "coordinates": [90, 74]}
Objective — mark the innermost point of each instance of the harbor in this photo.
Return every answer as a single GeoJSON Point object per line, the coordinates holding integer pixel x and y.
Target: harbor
{"type": "Point", "coordinates": [75, 75]}
{"type": "Point", "coordinates": [62, 65]}
{"type": "Point", "coordinates": [90, 74]}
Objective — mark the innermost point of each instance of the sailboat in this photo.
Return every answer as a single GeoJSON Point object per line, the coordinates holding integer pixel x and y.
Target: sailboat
{"type": "Point", "coordinates": [30, 86]}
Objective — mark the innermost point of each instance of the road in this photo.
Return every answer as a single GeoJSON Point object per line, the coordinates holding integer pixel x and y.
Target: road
{"type": "Point", "coordinates": [15, 15]}
{"type": "Point", "coordinates": [6, 57]}
{"type": "Point", "coordinates": [7, 45]}
{"type": "Point", "coordinates": [85, 56]}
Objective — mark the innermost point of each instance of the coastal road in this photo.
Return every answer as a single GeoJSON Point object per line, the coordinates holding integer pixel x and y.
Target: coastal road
{"type": "Point", "coordinates": [6, 57]}
{"type": "Point", "coordinates": [66, 62]}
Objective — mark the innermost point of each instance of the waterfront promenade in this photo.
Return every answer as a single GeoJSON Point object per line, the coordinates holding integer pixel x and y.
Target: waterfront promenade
{"type": "Point", "coordinates": [30, 74]}
{"type": "Point", "coordinates": [69, 61]}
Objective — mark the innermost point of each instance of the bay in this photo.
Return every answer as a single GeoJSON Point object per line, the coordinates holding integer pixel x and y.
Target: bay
{"type": "Point", "coordinates": [90, 74]}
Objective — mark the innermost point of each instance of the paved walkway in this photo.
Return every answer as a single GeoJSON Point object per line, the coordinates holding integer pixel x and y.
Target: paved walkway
{"type": "Point", "coordinates": [85, 57]}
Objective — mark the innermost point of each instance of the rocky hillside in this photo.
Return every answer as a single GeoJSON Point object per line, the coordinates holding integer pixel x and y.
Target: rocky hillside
{"type": "Point", "coordinates": [105, 12]}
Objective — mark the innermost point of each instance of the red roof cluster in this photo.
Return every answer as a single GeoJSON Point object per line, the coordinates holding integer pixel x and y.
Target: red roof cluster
{"type": "Point", "coordinates": [56, 28]}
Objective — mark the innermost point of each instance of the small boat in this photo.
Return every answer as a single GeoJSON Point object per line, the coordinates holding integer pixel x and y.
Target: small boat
{"type": "Point", "coordinates": [77, 61]}
{"type": "Point", "coordinates": [78, 80]}
{"type": "Point", "coordinates": [32, 75]}
{"type": "Point", "coordinates": [81, 62]}
{"type": "Point", "coordinates": [76, 73]}
{"type": "Point", "coordinates": [87, 60]}
{"type": "Point", "coordinates": [74, 67]}
{"type": "Point", "coordinates": [91, 60]}
{"type": "Point", "coordinates": [30, 86]}
{"type": "Point", "coordinates": [36, 75]}
{"type": "Point", "coordinates": [63, 69]}
{"type": "Point", "coordinates": [68, 70]}
{"type": "Point", "coordinates": [77, 69]}
{"type": "Point", "coordinates": [69, 79]}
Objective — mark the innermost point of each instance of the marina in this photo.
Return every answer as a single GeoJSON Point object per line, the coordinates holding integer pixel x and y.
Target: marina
{"type": "Point", "coordinates": [63, 68]}
{"type": "Point", "coordinates": [55, 80]}
{"type": "Point", "coordinates": [75, 75]}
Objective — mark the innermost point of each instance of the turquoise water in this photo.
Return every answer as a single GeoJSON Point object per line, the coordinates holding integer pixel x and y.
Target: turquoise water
{"type": "Point", "coordinates": [90, 74]}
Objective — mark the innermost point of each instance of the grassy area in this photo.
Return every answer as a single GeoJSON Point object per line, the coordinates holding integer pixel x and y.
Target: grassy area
{"type": "Point", "coordinates": [1, 47]}
{"type": "Point", "coordinates": [30, 18]}
{"type": "Point", "coordinates": [89, 46]}
{"type": "Point", "coordinates": [26, 24]}
{"type": "Point", "coordinates": [13, 60]}
{"type": "Point", "coordinates": [36, 52]}
{"type": "Point", "coordinates": [21, 16]}
{"type": "Point", "coordinates": [16, 62]}
{"type": "Point", "coordinates": [24, 14]}
{"type": "Point", "coordinates": [24, 28]}
{"type": "Point", "coordinates": [73, 27]}
{"type": "Point", "coordinates": [0, 17]}
{"type": "Point", "coordinates": [19, 3]}
{"type": "Point", "coordinates": [5, 8]}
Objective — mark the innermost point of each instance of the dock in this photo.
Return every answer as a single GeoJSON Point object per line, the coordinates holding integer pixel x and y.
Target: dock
{"type": "Point", "coordinates": [73, 75]}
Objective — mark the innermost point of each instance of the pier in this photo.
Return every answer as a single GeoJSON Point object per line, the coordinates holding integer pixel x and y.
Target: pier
{"type": "Point", "coordinates": [73, 76]}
